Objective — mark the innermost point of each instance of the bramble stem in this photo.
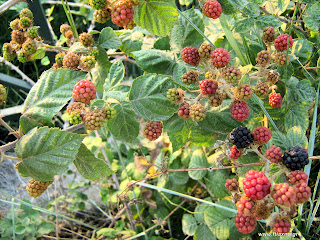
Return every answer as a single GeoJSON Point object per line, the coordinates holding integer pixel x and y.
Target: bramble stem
{"type": "Point", "coordinates": [8, 146]}
{"type": "Point", "coordinates": [10, 157]}
{"type": "Point", "coordinates": [2, 122]}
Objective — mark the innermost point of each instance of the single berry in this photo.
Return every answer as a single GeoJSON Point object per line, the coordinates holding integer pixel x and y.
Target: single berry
{"type": "Point", "coordinates": [68, 35]}
{"type": "Point", "coordinates": [9, 56]}
{"type": "Point", "coordinates": [263, 58]}
{"type": "Point", "coordinates": [243, 92]}
{"type": "Point", "coordinates": [297, 177]}
{"type": "Point", "coordinates": [283, 194]}
{"type": "Point", "coordinates": [26, 13]}
{"type": "Point", "coordinates": [205, 50]}
{"type": "Point", "coordinates": [29, 46]}
{"type": "Point", "coordinates": [215, 99]}
{"type": "Point", "coordinates": [25, 22]}
{"type": "Point", "coordinates": [281, 58]}
{"type": "Point", "coordinates": [175, 95]}
{"type": "Point", "coordinates": [245, 224]}
{"type": "Point", "coordinates": [281, 42]}
{"type": "Point", "coordinates": [184, 110]}
{"type": "Point", "coordinates": [281, 226]}
{"type": "Point", "coordinates": [303, 192]}
{"type": "Point", "coordinates": [32, 32]}
{"type": "Point", "coordinates": [3, 94]}
{"type": "Point", "coordinates": [212, 9]}
{"type": "Point", "coordinates": [190, 77]}
{"type": "Point", "coordinates": [17, 37]}
{"type": "Point", "coordinates": [274, 154]}
{"type": "Point", "coordinates": [86, 39]}
{"type": "Point", "coordinates": [15, 24]}
{"type": "Point", "coordinates": [36, 188]}
{"type": "Point", "coordinates": [262, 135]}
{"type": "Point", "coordinates": [268, 35]}
{"type": "Point", "coordinates": [198, 112]}
{"type": "Point", "coordinates": [245, 206]}
{"type": "Point", "coordinates": [295, 158]}
{"type": "Point", "coordinates": [231, 74]}
{"type": "Point", "coordinates": [87, 63]}
{"type": "Point", "coordinates": [208, 86]}
{"type": "Point", "coordinates": [235, 153]}
{"type": "Point", "coordinates": [75, 117]}
{"type": "Point", "coordinates": [239, 110]}
{"type": "Point", "coordinates": [111, 113]}
{"type": "Point", "coordinates": [84, 91]}
{"type": "Point", "coordinates": [97, 4]}
{"type": "Point", "coordinates": [8, 48]}
{"type": "Point", "coordinates": [275, 100]}
{"type": "Point", "coordinates": [59, 58]}
{"type": "Point", "coordinates": [261, 90]}
{"type": "Point", "coordinates": [64, 28]}
{"type": "Point", "coordinates": [232, 185]}
{"type": "Point", "coordinates": [94, 119]}
{"type": "Point", "coordinates": [102, 15]}
{"type": "Point", "coordinates": [22, 57]}
{"type": "Point", "coordinates": [191, 56]}
{"type": "Point", "coordinates": [122, 13]}
{"type": "Point", "coordinates": [220, 57]}
{"type": "Point", "coordinates": [272, 77]}
{"type": "Point", "coordinates": [71, 61]}
{"type": "Point", "coordinates": [241, 137]}
{"type": "Point", "coordinates": [256, 185]}
{"type": "Point", "coordinates": [94, 53]}
{"type": "Point", "coordinates": [153, 130]}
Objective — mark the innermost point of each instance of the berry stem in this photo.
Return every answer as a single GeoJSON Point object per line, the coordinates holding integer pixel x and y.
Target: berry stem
{"type": "Point", "coordinates": [3, 156]}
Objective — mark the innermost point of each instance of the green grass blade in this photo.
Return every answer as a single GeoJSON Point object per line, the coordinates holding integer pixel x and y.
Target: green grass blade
{"type": "Point", "coordinates": [13, 218]}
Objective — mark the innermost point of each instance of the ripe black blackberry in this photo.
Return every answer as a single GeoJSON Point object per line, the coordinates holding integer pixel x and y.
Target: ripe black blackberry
{"type": "Point", "coordinates": [295, 158]}
{"type": "Point", "coordinates": [241, 137]}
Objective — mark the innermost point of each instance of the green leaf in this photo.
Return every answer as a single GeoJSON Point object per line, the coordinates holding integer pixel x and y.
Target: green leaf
{"type": "Point", "coordinates": [115, 76]}
{"type": "Point", "coordinates": [46, 152]}
{"type": "Point", "coordinates": [295, 137]}
{"type": "Point", "coordinates": [198, 160]}
{"type": "Point", "coordinates": [52, 91]}
{"type": "Point", "coordinates": [268, 20]}
{"type": "Point", "coordinates": [243, 25]}
{"type": "Point", "coordinates": [162, 43]}
{"type": "Point", "coordinates": [296, 115]}
{"type": "Point", "coordinates": [124, 127]}
{"type": "Point", "coordinates": [119, 92]}
{"type": "Point", "coordinates": [184, 34]}
{"type": "Point", "coordinates": [157, 16]}
{"type": "Point", "coordinates": [302, 49]}
{"type": "Point", "coordinates": [154, 61]}
{"type": "Point", "coordinates": [108, 39]}
{"type": "Point", "coordinates": [101, 69]}
{"type": "Point", "coordinates": [107, 232]}
{"type": "Point", "coordinates": [299, 91]}
{"type": "Point", "coordinates": [178, 178]}
{"type": "Point", "coordinates": [215, 182]}
{"type": "Point", "coordinates": [276, 6]}
{"type": "Point", "coordinates": [148, 97]}
{"type": "Point", "coordinates": [189, 224]}
{"type": "Point", "coordinates": [45, 228]}
{"type": "Point", "coordinates": [89, 166]}
{"type": "Point", "coordinates": [203, 233]}
{"type": "Point", "coordinates": [131, 41]}
{"type": "Point", "coordinates": [312, 20]}
{"type": "Point", "coordinates": [39, 54]}
{"type": "Point", "coordinates": [20, 229]}
{"type": "Point", "coordinates": [252, 10]}
{"type": "Point", "coordinates": [228, 7]}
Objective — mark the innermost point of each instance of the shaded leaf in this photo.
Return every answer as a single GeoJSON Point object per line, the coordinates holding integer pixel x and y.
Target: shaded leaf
{"type": "Point", "coordinates": [189, 224]}
{"type": "Point", "coordinates": [108, 39]}
{"type": "Point", "coordinates": [198, 160]}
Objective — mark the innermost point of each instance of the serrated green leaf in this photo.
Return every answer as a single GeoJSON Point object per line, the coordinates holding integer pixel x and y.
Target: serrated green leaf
{"type": "Point", "coordinates": [119, 92]}
{"type": "Point", "coordinates": [114, 77]}
{"type": "Point", "coordinates": [154, 61]}
{"type": "Point", "coordinates": [178, 178]}
{"type": "Point", "coordinates": [198, 160]}
{"type": "Point", "coordinates": [276, 6]}
{"type": "Point", "coordinates": [312, 20]}
{"type": "Point", "coordinates": [252, 10]}
{"type": "Point", "coordinates": [203, 233]}
{"type": "Point", "coordinates": [297, 137]}
{"type": "Point", "coordinates": [243, 25]}
{"type": "Point", "coordinates": [189, 224]}
{"type": "Point", "coordinates": [108, 39]}
{"type": "Point", "coordinates": [124, 127]}
{"type": "Point", "coordinates": [89, 166]}
{"type": "Point", "coordinates": [148, 97]}
{"type": "Point", "coordinates": [101, 69]}
{"type": "Point", "coordinates": [157, 16]}
{"type": "Point", "coordinates": [302, 49]}
{"type": "Point", "coordinates": [162, 43]}
{"type": "Point", "coordinates": [39, 54]}
{"type": "Point", "coordinates": [228, 7]}
{"type": "Point", "coordinates": [268, 20]}
{"type": "Point", "coordinates": [296, 115]}
{"type": "Point", "coordinates": [52, 91]}
{"type": "Point", "coordinates": [215, 182]}
{"type": "Point", "coordinates": [299, 91]}
{"type": "Point", "coordinates": [131, 41]}
{"type": "Point", "coordinates": [45, 228]}
{"type": "Point", "coordinates": [46, 152]}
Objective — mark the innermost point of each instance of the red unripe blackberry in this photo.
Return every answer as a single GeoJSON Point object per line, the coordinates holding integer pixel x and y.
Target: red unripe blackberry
{"type": "Point", "coordinates": [84, 91]}
{"type": "Point", "coordinates": [243, 92]}
{"type": "Point", "coordinates": [220, 57]}
{"type": "Point", "coordinates": [190, 77]}
{"type": "Point", "coordinates": [36, 188]}
{"type": "Point", "coordinates": [297, 177]}
{"type": "Point", "coordinates": [283, 194]}
{"type": "Point", "coordinates": [64, 28]}
{"type": "Point", "coordinates": [3, 94]}
{"type": "Point", "coordinates": [268, 35]}
{"type": "Point", "coordinates": [303, 192]}
{"type": "Point", "coordinates": [175, 95]}
{"type": "Point", "coordinates": [75, 106]}
{"type": "Point", "coordinates": [295, 158]}
{"type": "Point", "coordinates": [232, 185]}
{"type": "Point", "coordinates": [256, 185]}
{"type": "Point", "coordinates": [97, 4]}
{"type": "Point", "coordinates": [215, 99]}
{"type": "Point", "coordinates": [272, 77]}
{"type": "Point", "coordinates": [281, 226]}
{"type": "Point", "coordinates": [274, 154]}
{"type": "Point", "coordinates": [245, 206]}
{"type": "Point", "coordinates": [208, 86]}
{"type": "Point", "coordinates": [281, 42]}
{"type": "Point", "coordinates": [212, 9]}
{"type": "Point", "coordinates": [153, 130]}
{"type": "Point", "coordinates": [29, 46]}
{"type": "Point", "coordinates": [205, 50]}
{"type": "Point", "coordinates": [71, 61]}
{"type": "Point", "coordinates": [110, 112]}
{"type": "Point", "coordinates": [275, 100]}
{"type": "Point", "coordinates": [231, 74]}
{"type": "Point", "coordinates": [191, 56]}
{"type": "Point", "coordinates": [94, 119]}
{"type": "Point", "coordinates": [263, 58]}
{"type": "Point", "coordinates": [122, 13]}
{"type": "Point", "coordinates": [239, 110]}
{"type": "Point", "coordinates": [198, 112]}
{"type": "Point", "coordinates": [281, 58]}
{"type": "Point", "coordinates": [17, 36]}
{"type": "Point", "coordinates": [241, 137]}
{"type": "Point", "coordinates": [86, 39]}
{"type": "Point", "coordinates": [184, 111]}
{"type": "Point", "coordinates": [235, 153]}
{"type": "Point", "coordinates": [15, 24]}
{"type": "Point", "coordinates": [245, 224]}
{"type": "Point", "coordinates": [262, 135]}
{"type": "Point", "coordinates": [26, 13]}
{"type": "Point", "coordinates": [261, 90]}
{"type": "Point", "coordinates": [102, 15]}
{"type": "Point", "coordinates": [87, 63]}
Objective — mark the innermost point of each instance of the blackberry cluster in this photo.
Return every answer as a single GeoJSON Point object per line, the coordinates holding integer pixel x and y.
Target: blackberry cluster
{"type": "Point", "coordinates": [205, 50]}
{"type": "Point", "coordinates": [59, 59]}
{"type": "Point", "coordinates": [235, 153]}
{"type": "Point", "coordinates": [98, 4]}
{"type": "Point", "coordinates": [212, 9]}
{"type": "Point", "coordinates": [175, 95]}
{"type": "Point", "coordinates": [268, 35]}
{"type": "Point", "coordinates": [190, 77]}
{"type": "Point", "coordinates": [122, 13]}
{"type": "Point", "coordinates": [110, 112]}
{"type": "Point", "coordinates": [281, 58]}
{"type": "Point", "coordinates": [262, 90]}
{"type": "Point", "coordinates": [220, 57]}
{"type": "Point", "coordinates": [303, 192]}
{"type": "Point", "coordinates": [262, 135]}
{"type": "Point", "coordinates": [75, 117]}
{"type": "Point", "coordinates": [297, 177]}
{"type": "Point", "coordinates": [272, 77]}
{"type": "Point", "coordinates": [275, 100]}
{"type": "Point", "coordinates": [86, 39]}
{"type": "Point", "coordinates": [184, 111]}
{"type": "Point", "coordinates": [295, 158]}
{"type": "Point", "coordinates": [191, 56]}
{"type": "Point", "coordinates": [243, 92]}
{"type": "Point", "coordinates": [281, 42]}
{"type": "Point", "coordinates": [153, 130]}
{"type": "Point", "coordinates": [67, 32]}
{"type": "Point", "coordinates": [231, 74]}
{"type": "Point", "coordinates": [274, 154]}
{"type": "Point", "coordinates": [33, 32]}
{"type": "Point", "coordinates": [36, 188]}
{"type": "Point", "coordinates": [75, 106]}
{"type": "Point", "coordinates": [263, 58]}
{"type": "Point", "coordinates": [232, 185]}
{"type": "Point", "coordinates": [71, 60]}
{"type": "Point", "coordinates": [245, 206]}
{"type": "Point", "coordinates": [87, 63]}
{"type": "Point", "coordinates": [281, 226]}
{"type": "Point", "coordinates": [283, 194]}
{"type": "Point", "coordinates": [241, 137]}
{"type": "Point", "coordinates": [256, 185]}
{"type": "Point", "coordinates": [3, 94]}
{"type": "Point", "coordinates": [245, 224]}
{"type": "Point", "coordinates": [29, 46]}
{"type": "Point", "coordinates": [102, 15]}
{"type": "Point", "coordinates": [94, 119]}
{"type": "Point", "coordinates": [208, 86]}
{"type": "Point", "coordinates": [215, 99]}
{"type": "Point", "coordinates": [239, 110]}
{"type": "Point", "coordinates": [84, 91]}
{"type": "Point", "coordinates": [210, 75]}
{"type": "Point", "coordinates": [198, 112]}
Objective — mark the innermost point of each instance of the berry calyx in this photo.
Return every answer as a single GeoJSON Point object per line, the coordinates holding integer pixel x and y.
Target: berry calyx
{"type": "Point", "coordinates": [281, 42]}
{"type": "Point", "coordinates": [198, 112]}
{"type": "Point", "coordinates": [268, 35]}
{"type": "Point", "coordinates": [244, 92]}
{"type": "Point", "coordinates": [245, 224]}
{"type": "Point", "coordinates": [84, 91]}
{"type": "Point", "coordinates": [231, 74]}
{"type": "Point", "coordinates": [256, 185]}
{"type": "Point", "coordinates": [215, 99]}
{"type": "Point", "coordinates": [297, 177]}
{"type": "Point", "coordinates": [184, 111]}
{"type": "Point", "coordinates": [71, 61]}
{"type": "Point", "coordinates": [283, 194]}
{"type": "Point", "coordinates": [245, 206]}
{"type": "Point", "coordinates": [261, 90]}
{"type": "Point", "coordinates": [191, 56]}
{"type": "Point", "coordinates": [94, 119]}
{"type": "Point", "coordinates": [295, 158]}
{"type": "Point", "coordinates": [205, 50]}
{"type": "Point", "coordinates": [235, 153]}
{"type": "Point", "coordinates": [275, 100]}
{"type": "Point", "coordinates": [274, 154]}
{"type": "Point", "coordinates": [36, 188]}
{"type": "Point", "coordinates": [122, 13]}
{"type": "Point", "coordinates": [281, 226]}
{"type": "Point", "coordinates": [232, 185]}
{"type": "Point", "coordinates": [239, 110]}
{"type": "Point", "coordinates": [212, 9]}
{"type": "Point", "coordinates": [262, 135]}
{"type": "Point", "coordinates": [86, 39]}
{"type": "Point", "coordinates": [220, 57]}
{"type": "Point", "coordinates": [175, 95]}
{"type": "Point", "coordinates": [153, 130]}
{"type": "Point", "coordinates": [208, 86]}
{"type": "Point", "coordinates": [263, 58]}
{"type": "Point", "coordinates": [241, 137]}
{"type": "Point", "coordinates": [190, 77]}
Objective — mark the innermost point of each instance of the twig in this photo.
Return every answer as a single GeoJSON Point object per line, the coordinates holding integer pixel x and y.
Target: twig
{"type": "Point", "coordinates": [17, 70]}
{"type": "Point", "coordinates": [8, 4]}
{"type": "Point", "coordinates": [8, 146]}
{"type": "Point", "coordinates": [2, 122]}
{"type": "Point", "coordinates": [314, 157]}
{"type": "Point", "coordinates": [74, 127]}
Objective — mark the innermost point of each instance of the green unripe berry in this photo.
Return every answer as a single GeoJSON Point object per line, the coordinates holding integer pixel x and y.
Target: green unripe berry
{"type": "Point", "coordinates": [33, 32]}
{"type": "Point", "coordinates": [26, 13]}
